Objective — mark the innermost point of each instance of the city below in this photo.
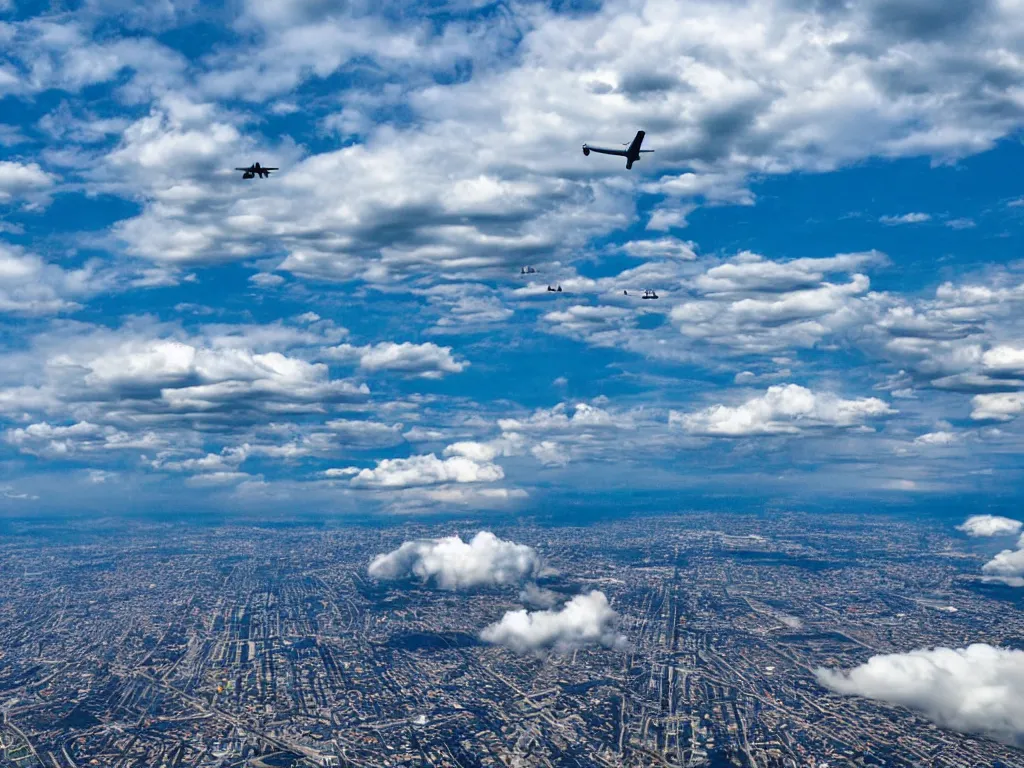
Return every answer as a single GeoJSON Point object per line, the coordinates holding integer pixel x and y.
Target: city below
{"type": "Point", "coordinates": [130, 644]}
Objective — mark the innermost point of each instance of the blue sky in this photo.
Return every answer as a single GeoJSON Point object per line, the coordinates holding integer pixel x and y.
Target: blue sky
{"type": "Point", "coordinates": [831, 218]}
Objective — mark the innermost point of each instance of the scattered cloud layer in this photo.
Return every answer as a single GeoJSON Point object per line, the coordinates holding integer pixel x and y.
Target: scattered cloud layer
{"type": "Point", "coordinates": [162, 318]}
{"type": "Point", "coordinates": [978, 689]}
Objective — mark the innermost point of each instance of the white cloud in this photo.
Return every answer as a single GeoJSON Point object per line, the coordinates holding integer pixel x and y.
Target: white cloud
{"type": "Point", "coordinates": [538, 597]}
{"type": "Point", "coordinates": [978, 689]}
{"type": "Point", "coordinates": [428, 360]}
{"type": "Point", "coordinates": [1003, 406]}
{"type": "Point", "coordinates": [961, 224]}
{"type": "Point", "coordinates": [1004, 360]}
{"type": "Point", "coordinates": [426, 469]}
{"type": "Point", "coordinates": [451, 563]}
{"type": "Point", "coordinates": [466, 307]}
{"type": "Point", "coordinates": [266, 280]}
{"type": "Point", "coordinates": [60, 52]}
{"type": "Point", "coordinates": [585, 621]}
{"type": "Point", "coordinates": [906, 218]}
{"type": "Point", "coordinates": [583, 416]}
{"type": "Point", "coordinates": [756, 305]}
{"type": "Point", "coordinates": [990, 525]}
{"type": "Point", "coordinates": [365, 433]}
{"type": "Point", "coordinates": [662, 247]}
{"type": "Point", "coordinates": [24, 181]}
{"type": "Point", "coordinates": [53, 442]}
{"type": "Point", "coordinates": [168, 396]}
{"type": "Point", "coordinates": [184, 377]}
{"type": "Point", "coordinates": [1006, 567]}
{"type": "Point", "coordinates": [551, 453]}
{"type": "Point", "coordinates": [31, 286]}
{"type": "Point", "coordinates": [783, 410]}
{"type": "Point", "coordinates": [941, 437]}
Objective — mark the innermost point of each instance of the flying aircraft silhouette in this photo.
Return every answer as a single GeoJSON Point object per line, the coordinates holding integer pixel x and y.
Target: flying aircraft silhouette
{"type": "Point", "coordinates": [256, 170]}
{"type": "Point", "coordinates": [631, 153]}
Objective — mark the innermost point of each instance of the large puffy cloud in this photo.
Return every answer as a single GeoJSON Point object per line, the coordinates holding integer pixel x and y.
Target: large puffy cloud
{"type": "Point", "coordinates": [1007, 567]}
{"type": "Point", "coordinates": [977, 689]}
{"type": "Point", "coordinates": [990, 525]}
{"type": "Point", "coordinates": [426, 470]}
{"type": "Point", "coordinates": [428, 360]}
{"type": "Point", "coordinates": [585, 621]}
{"type": "Point", "coordinates": [997, 407]}
{"type": "Point", "coordinates": [181, 377]}
{"type": "Point", "coordinates": [451, 563]}
{"type": "Point", "coordinates": [783, 410]}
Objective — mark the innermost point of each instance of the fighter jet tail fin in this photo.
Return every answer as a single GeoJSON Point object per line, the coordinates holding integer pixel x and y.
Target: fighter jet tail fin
{"type": "Point", "coordinates": [637, 141]}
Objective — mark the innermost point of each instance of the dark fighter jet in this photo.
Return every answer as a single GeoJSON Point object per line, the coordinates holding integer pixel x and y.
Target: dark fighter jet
{"type": "Point", "coordinates": [256, 170]}
{"type": "Point", "coordinates": [631, 153]}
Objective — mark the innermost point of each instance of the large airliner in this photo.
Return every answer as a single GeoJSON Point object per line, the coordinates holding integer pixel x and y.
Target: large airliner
{"type": "Point", "coordinates": [631, 153]}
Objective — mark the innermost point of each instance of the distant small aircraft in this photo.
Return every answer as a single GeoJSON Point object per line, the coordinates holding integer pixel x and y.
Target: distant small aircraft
{"type": "Point", "coordinates": [527, 271]}
{"type": "Point", "coordinates": [631, 153]}
{"type": "Point", "coordinates": [256, 170]}
{"type": "Point", "coordinates": [649, 295]}
{"type": "Point", "coordinates": [555, 290]}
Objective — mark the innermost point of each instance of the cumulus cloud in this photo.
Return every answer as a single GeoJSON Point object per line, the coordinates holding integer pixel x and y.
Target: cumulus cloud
{"type": "Point", "coordinates": [181, 377]}
{"type": "Point", "coordinates": [51, 441]}
{"type": "Point", "coordinates": [662, 247]}
{"type": "Point", "coordinates": [428, 360]}
{"type": "Point", "coordinates": [1006, 567]}
{"type": "Point", "coordinates": [23, 181]}
{"type": "Point", "coordinates": [783, 410]}
{"type": "Point", "coordinates": [942, 437]}
{"type": "Point", "coordinates": [990, 525]}
{"type": "Point", "coordinates": [1003, 406]}
{"type": "Point", "coordinates": [585, 621]}
{"type": "Point", "coordinates": [31, 286]}
{"type": "Point", "coordinates": [583, 416]}
{"type": "Point", "coordinates": [977, 689]}
{"type": "Point", "coordinates": [428, 469]}
{"type": "Point", "coordinates": [753, 304]}
{"type": "Point", "coordinates": [451, 563]}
